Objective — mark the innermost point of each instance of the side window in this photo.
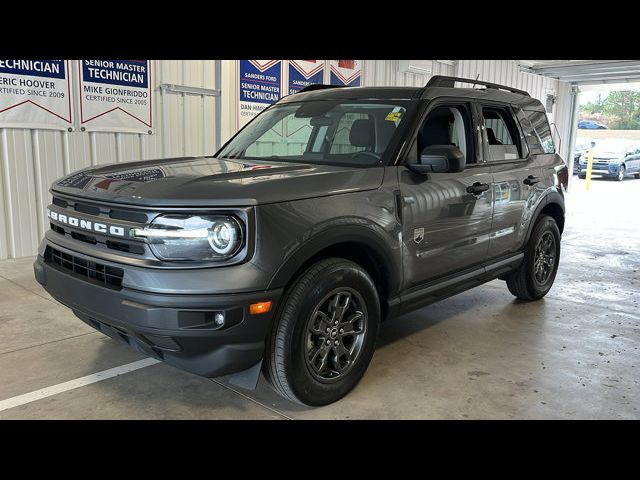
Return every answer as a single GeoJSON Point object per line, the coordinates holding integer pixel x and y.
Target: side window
{"type": "Point", "coordinates": [447, 125]}
{"type": "Point", "coordinates": [503, 138]}
{"type": "Point", "coordinates": [537, 131]}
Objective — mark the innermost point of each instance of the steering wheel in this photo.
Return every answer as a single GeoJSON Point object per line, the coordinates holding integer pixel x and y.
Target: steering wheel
{"type": "Point", "coordinates": [367, 154]}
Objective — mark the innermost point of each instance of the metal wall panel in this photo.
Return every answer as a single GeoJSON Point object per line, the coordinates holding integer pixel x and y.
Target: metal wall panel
{"type": "Point", "coordinates": [30, 160]}
{"type": "Point", "coordinates": [384, 73]}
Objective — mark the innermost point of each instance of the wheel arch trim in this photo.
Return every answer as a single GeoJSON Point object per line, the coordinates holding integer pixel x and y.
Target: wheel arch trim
{"type": "Point", "coordinates": [551, 198]}
{"type": "Point", "coordinates": [369, 235]}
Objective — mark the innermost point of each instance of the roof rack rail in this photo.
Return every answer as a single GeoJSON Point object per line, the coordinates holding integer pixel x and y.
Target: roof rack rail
{"type": "Point", "coordinates": [317, 86]}
{"type": "Point", "coordinates": [450, 82]}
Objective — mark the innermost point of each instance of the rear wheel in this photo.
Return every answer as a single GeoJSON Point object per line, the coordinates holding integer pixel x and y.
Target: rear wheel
{"type": "Point", "coordinates": [621, 173]}
{"type": "Point", "coordinates": [534, 277]}
{"type": "Point", "coordinates": [636, 175]}
{"type": "Point", "coordinates": [324, 334]}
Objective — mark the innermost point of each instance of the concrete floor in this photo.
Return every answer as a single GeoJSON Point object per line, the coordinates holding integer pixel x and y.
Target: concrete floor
{"type": "Point", "coordinates": [480, 355]}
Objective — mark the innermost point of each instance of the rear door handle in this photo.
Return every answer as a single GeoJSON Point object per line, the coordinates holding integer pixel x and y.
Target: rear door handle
{"type": "Point", "coordinates": [477, 188]}
{"type": "Point", "coordinates": [531, 180]}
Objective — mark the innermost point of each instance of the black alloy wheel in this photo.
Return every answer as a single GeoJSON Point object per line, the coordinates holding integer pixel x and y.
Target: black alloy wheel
{"type": "Point", "coordinates": [545, 258]}
{"type": "Point", "coordinates": [335, 334]}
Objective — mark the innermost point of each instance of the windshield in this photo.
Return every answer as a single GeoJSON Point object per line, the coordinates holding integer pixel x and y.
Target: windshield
{"type": "Point", "coordinates": [347, 132]}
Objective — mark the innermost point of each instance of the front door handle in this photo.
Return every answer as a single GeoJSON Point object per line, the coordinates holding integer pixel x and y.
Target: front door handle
{"type": "Point", "coordinates": [477, 188]}
{"type": "Point", "coordinates": [531, 180]}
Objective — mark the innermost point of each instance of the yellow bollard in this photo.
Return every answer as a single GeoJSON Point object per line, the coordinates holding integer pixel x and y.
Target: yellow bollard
{"type": "Point", "coordinates": [589, 167]}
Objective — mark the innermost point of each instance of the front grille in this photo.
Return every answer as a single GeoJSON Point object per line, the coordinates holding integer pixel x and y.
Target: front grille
{"type": "Point", "coordinates": [89, 209]}
{"type": "Point", "coordinates": [97, 213]}
{"type": "Point", "coordinates": [104, 275]}
{"type": "Point", "coordinates": [128, 216]}
{"type": "Point", "coordinates": [103, 211]}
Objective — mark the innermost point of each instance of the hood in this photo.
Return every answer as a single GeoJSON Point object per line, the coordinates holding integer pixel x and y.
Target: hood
{"type": "Point", "coordinates": [209, 181]}
{"type": "Point", "coordinates": [605, 155]}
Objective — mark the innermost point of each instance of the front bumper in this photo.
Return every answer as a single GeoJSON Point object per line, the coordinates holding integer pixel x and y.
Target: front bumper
{"type": "Point", "coordinates": [605, 171]}
{"type": "Point", "coordinates": [178, 329]}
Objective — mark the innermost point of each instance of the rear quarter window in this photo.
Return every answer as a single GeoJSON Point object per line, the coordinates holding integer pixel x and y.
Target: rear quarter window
{"type": "Point", "coordinates": [537, 131]}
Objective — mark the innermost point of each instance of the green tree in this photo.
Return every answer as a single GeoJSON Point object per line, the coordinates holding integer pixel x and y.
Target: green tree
{"type": "Point", "coordinates": [594, 107]}
{"type": "Point", "coordinates": [624, 105]}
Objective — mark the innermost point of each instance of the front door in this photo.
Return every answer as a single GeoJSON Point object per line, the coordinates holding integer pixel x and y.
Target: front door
{"type": "Point", "coordinates": [446, 217]}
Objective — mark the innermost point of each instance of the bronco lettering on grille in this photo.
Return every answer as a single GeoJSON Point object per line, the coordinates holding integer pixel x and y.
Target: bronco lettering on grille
{"type": "Point", "coordinates": [86, 224]}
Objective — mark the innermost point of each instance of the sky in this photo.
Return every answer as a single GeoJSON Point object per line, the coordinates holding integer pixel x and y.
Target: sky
{"type": "Point", "coordinates": [589, 93]}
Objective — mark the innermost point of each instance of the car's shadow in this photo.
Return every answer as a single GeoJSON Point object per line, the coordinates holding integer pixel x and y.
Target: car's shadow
{"type": "Point", "coordinates": [173, 393]}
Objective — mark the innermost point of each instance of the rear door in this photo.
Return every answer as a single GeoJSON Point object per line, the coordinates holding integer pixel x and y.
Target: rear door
{"type": "Point", "coordinates": [445, 226]}
{"type": "Point", "coordinates": [515, 177]}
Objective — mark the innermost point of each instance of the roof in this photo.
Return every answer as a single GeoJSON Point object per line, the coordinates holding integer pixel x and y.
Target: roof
{"type": "Point", "coordinates": [341, 93]}
{"type": "Point", "coordinates": [408, 93]}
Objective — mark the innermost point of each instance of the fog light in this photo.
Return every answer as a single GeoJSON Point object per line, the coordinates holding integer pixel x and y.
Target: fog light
{"type": "Point", "coordinates": [260, 307]}
{"type": "Point", "coordinates": [218, 319]}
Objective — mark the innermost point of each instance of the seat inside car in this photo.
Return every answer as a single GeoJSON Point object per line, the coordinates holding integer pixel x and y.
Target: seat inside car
{"type": "Point", "coordinates": [362, 134]}
{"type": "Point", "coordinates": [492, 137]}
{"type": "Point", "coordinates": [435, 130]}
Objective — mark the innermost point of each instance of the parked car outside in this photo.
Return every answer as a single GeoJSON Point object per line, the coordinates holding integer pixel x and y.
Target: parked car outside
{"type": "Point", "coordinates": [582, 148]}
{"type": "Point", "coordinates": [591, 125]}
{"type": "Point", "coordinates": [612, 159]}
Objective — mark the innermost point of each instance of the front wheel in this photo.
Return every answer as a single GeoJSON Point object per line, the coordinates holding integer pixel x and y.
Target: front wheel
{"type": "Point", "coordinates": [324, 333]}
{"type": "Point", "coordinates": [534, 277]}
{"type": "Point", "coordinates": [621, 173]}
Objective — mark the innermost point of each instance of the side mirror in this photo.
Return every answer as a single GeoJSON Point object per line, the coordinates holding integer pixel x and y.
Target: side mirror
{"type": "Point", "coordinates": [439, 159]}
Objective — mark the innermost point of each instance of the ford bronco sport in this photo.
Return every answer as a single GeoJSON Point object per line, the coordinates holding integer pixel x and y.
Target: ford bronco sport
{"type": "Point", "coordinates": [332, 210]}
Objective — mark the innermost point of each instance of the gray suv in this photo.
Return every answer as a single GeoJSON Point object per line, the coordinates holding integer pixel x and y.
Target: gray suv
{"type": "Point", "coordinates": [333, 210]}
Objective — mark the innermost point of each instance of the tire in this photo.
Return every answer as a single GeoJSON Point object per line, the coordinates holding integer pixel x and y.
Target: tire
{"type": "Point", "coordinates": [523, 282]}
{"type": "Point", "coordinates": [582, 176]}
{"type": "Point", "coordinates": [636, 176]}
{"type": "Point", "coordinates": [620, 176]}
{"type": "Point", "coordinates": [291, 343]}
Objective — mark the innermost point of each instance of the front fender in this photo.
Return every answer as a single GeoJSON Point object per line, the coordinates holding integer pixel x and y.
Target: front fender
{"type": "Point", "coordinates": [384, 245]}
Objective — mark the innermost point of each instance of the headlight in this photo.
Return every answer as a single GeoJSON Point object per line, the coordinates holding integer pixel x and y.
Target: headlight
{"type": "Point", "coordinates": [193, 237]}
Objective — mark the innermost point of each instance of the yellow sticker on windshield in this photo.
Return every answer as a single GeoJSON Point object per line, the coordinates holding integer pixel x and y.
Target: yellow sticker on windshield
{"type": "Point", "coordinates": [393, 116]}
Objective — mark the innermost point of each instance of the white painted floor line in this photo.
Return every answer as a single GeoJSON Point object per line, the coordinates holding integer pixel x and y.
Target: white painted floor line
{"type": "Point", "coordinates": [77, 383]}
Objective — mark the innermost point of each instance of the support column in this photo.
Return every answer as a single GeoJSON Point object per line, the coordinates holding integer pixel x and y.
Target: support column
{"type": "Point", "coordinates": [573, 130]}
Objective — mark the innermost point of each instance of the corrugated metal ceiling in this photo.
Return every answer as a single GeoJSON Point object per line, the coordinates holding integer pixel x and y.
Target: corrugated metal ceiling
{"type": "Point", "coordinates": [585, 72]}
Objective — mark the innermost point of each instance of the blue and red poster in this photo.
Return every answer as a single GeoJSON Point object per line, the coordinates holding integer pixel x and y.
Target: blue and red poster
{"type": "Point", "coordinates": [345, 73]}
{"type": "Point", "coordinates": [303, 73]}
{"type": "Point", "coordinates": [260, 86]}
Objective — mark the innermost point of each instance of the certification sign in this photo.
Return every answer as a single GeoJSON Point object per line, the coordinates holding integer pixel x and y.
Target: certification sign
{"type": "Point", "coordinates": [115, 95]}
{"type": "Point", "coordinates": [303, 73]}
{"type": "Point", "coordinates": [260, 86]}
{"type": "Point", "coordinates": [35, 94]}
{"type": "Point", "coordinates": [345, 73]}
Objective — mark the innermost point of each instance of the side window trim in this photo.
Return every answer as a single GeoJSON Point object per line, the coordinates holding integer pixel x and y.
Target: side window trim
{"type": "Point", "coordinates": [526, 153]}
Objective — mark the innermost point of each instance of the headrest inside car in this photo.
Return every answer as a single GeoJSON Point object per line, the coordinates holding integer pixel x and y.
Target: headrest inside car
{"type": "Point", "coordinates": [361, 134]}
